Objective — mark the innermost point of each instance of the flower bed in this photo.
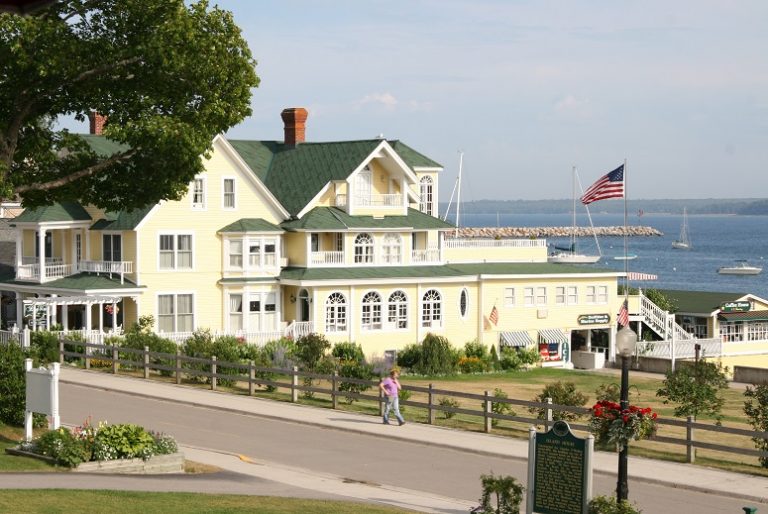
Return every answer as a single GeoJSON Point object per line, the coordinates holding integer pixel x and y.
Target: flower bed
{"type": "Point", "coordinates": [125, 448]}
{"type": "Point", "coordinates": [616, 426]}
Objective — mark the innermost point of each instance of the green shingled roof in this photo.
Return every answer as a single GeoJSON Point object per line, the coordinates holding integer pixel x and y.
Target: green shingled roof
{"type": "Point", "coordinates": [122, 220]}
{"type": "Point", "coordinates": [332, 218]}
{"type": "Point", "coordinates": [413, 158]}
{"type": "Point", "coordinates": [64, 211]}
{"type": "Point", "coordinates": [251, 225]}
{"type": "Point", "coordinates": [102, 146]}
{"type": "Point", "coordinates": [80, 282]}
{"type": "Point", "coordinates": [426, 272]}
{"type": "Point", "coordinates": [699, 302]}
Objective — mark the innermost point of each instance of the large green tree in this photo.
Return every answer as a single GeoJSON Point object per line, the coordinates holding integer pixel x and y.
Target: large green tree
{"type": "Point", "coordinates": [168, 76]}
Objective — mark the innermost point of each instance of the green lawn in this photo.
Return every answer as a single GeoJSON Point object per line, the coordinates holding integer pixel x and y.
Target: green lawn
{"type": "Point", "coordinates": [54, 501]}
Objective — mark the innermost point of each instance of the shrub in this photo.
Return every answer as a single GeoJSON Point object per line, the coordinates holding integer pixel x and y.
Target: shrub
{"type": "Point", "coordinates": [447, 401]}
{"type": "Point", "coordinates": [140, 335]}
{"type": "Point", "coordinates": [494, 358]}
{"type": "Point", "coordinates": [310, 349]}
{"type": "Point", "coordinates": [608, 505]}
{"type": "Point", "coordinates": [530, 356]}
{"type": "Point", "coordinates": [499, 407]}
{"type": "Point", "coordinates": [510, 359]}
{"type": "Point", "coordinates": [348, 352]}
{"type": "Point", "coordinates": [404, 397]}
{"type": "Point", "coordinates": [503, 491]}
{"type": "Point", "coordinates": [13, 386]}
{"type": "Point", "coordinates": [164, 443]}
{"type": "Point", "coordinates": [756, 410]}
{"type": "Point", "coordinates": [476, 349]}
{"type": "Point", "coordinates": [123, 441]}
{"type": "Point", "coordinates": [44, 347]}
{"type": "Point", "coordinates": [608, 392]}
{"type": "Point", "coordinates": [410, 356]}
{"type": "Point", "coordinates": [63, 447]}
{"type": "Point", "coordinates": [276, 354]}
{"type": "Point", "coordinates": [472, 365]}
{"type": "Point", "coordinates": [562, 393]}
{"type": "Point", "coordinates": [354, 369]}
{"type": "Point", "coordinates": [437, 356]}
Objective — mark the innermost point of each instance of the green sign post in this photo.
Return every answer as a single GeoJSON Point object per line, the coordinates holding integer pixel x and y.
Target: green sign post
{"type": "Point", "coordinates": [559, 471]}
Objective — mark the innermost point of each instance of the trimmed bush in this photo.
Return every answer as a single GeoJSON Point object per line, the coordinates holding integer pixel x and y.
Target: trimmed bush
{"type": "Point", "coordinates": [562, 393]}
{"type": "Point", "coordinates": [12, 384]}
{"type": "Point", "coordinates": [447, 401]}
{"type": "Point", "coordinates": [437, 356]}
{"type": "Point", "coordinates": [63, 447]}
{"type": "Point", "coordinates": [348, 352]}
{"type": "Point", "coordinates": [410, 356]}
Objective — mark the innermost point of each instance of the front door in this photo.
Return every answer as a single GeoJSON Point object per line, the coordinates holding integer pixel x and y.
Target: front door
{"type": "Point", "coordinates": [303, 305]}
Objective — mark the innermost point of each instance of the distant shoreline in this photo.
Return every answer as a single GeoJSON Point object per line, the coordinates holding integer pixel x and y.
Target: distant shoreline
{"type": "Point", "coordinates": [529, 232]}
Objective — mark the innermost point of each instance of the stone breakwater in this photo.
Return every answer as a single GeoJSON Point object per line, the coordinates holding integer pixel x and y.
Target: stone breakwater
{"type": "Point", "coordinates": [541, 232]}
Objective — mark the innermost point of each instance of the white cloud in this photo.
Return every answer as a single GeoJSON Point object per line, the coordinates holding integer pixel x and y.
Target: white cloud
{"type": "Point", "coordinates": [387, 100]}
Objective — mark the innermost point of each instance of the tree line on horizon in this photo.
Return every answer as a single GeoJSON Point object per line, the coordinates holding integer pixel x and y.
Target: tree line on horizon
{"type": "Point", "coordinates": [740, 206]}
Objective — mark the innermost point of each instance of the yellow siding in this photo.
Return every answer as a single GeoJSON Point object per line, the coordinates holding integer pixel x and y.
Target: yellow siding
{"type": "Point", "coordinates": [28, 238]}
{"type": "Point", "coordinates": [295, 244]}
{"type": "Point", "coordinates": [178, 217]}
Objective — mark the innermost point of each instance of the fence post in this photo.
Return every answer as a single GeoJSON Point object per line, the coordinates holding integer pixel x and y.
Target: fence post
{"type": "Point", "coordinates": [251, 377]}
{"type": "Point", "coordinates": [430, 412]}
{"type": "Point", "coordinates": [115, 357]}
{"type": "Point", "coordinates": [61, 351]}
{"type": "Point", "coordinates": [87, 354]}
{"type": "Point", "coordinates": [146, 362]}
{"type": "Point", "coordinates": [690, 451]}
{"type": "Point", "coordinates": [548, 418]}
{"type": "Point", "coordinates": [26, 338]}
{"type": "Point", "coordinates": [295, 385]}
{"type": "Point", "coordinates": [381, 399]}
{"type": "Point", "coordinates": [334, 389]}
{"type": "Point", "coordinates": [213, 372]}
{"type": "Point", "coordinates": [178, 365]}
{"type": "Point", "coordinates": [487, 409]}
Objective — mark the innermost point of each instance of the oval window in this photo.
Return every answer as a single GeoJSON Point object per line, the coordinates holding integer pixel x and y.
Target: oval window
{"type": "Point", "coordinates": [463, 300]}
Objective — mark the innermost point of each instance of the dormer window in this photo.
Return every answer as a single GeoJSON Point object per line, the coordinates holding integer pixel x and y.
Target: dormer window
{"type": "Point", "coordinates": [426, 195]}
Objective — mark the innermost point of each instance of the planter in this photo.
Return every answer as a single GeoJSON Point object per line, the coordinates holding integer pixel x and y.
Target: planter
{"type": "Point", "coordinates": [173, 463]}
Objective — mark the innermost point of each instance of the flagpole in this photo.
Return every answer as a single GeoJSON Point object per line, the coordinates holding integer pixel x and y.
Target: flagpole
{"type": "Point", "coordinates": [626, 261]}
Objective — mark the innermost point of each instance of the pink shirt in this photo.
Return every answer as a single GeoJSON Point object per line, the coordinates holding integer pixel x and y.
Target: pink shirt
{"type": "Point", "coordinates": [390, 386]}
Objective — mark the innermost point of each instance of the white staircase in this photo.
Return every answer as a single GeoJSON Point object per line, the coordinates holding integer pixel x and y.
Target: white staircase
{"type": "Point", "coordinates": [661, 322]}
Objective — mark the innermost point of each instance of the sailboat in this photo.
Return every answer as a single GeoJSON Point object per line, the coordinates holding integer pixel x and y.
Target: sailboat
{"type": "Point", "coordinates": [569, 255]}
{"type": "Point", "coordinates": [684, 241]}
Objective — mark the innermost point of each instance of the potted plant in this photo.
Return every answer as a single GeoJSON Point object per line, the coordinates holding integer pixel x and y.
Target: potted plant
{"type": "Point", "coordinates": [616, 427]}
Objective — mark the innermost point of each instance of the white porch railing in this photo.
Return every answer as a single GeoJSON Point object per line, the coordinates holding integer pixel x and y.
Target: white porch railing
{"type": "Point", "coordinates": [327, 258]}
{"type": "Point", "coordinates": [299, 329]}
{"type": "Point", "coordinates": [680, 349]}
{"type": "Point", "coordinates": [430, 255]}
{"type": "Point", "coordinates": [55, 269]}
{"type": "Point", "coordinates": [494, 243]}
{"type": "Point", "coordinates": [661, 322]}
{"type": "Point", "coordinates": [384, 200]}
{"type": "Point", "coordinates": [52, 272]}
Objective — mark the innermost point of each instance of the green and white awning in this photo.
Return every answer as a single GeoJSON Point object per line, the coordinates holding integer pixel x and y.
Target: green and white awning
{"type": "Point", "coordinates": [552, 335]}
{"type": "Point", "coordinates": [518, 339]}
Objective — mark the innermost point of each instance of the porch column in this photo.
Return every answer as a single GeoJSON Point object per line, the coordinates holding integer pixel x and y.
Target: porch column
{"type": "Point", "coordinates": [589, 340]}
{"type": "Point", "coordinates": [52, 313]}
{"type": "Point", "coordinates": [34, 316]}
{"type": "Point", "coordinates": [612, 344]}
{"type": "Point", "coordinates": [101, 317]}
{"type": "Point", "coordinates": [19, 310]}
{"type": "Point", "coordinates": [41, 246]}
{"type": "Point", "coordinates": [88, 316]}
{"type": "Point", "coordinates": [65, 316]}
{"type": "Point", "coordinates": [114, 316]}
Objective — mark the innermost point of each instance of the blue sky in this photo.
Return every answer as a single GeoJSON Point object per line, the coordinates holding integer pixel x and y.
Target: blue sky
{"type": "Point", "coordinates": [528, 88]}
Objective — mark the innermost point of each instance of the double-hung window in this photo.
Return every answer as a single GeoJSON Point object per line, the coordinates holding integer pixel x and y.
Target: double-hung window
{"type": "Point", "coordinates": [175, 251]}
{"type": "Point", "coordinates": [175, 313]}
{"type": "Point", "coordinates": [509, 297]}
{"type": "Point", "coordinates": [228, 190]}
{"type": "Point", "coordinates": [235, 312]}
{"type": "Point", "coordinates": [112, 247]}
{"type": "Point", "coordinates": [198, 193]}
{"type": "Point", "coordinates": [236, 253]}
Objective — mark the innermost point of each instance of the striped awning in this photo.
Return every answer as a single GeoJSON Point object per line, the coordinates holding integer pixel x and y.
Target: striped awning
{"type": "Point", "coordinates": [634, 275]}
{"type": "Point", "coordinates": [743, 316]}
{"type": "Point", "coordinates": [515, 339]}
{"type": "Point", "coordinates": [553, 335]}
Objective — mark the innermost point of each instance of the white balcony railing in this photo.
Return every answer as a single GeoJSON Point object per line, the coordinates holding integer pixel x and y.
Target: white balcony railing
{"type": "Point", "coordinates": [327, 258]}
{"type": "Point", "coordinates": [430, 255]}
{"type": "Point", "coordinates": [55, 269]}
{"type": "Point", "coordinates": [384, 200]}
{"type": "Point", "coordinates": [52, 272]}
{"type": "Point", "coordinates": [495, 243]}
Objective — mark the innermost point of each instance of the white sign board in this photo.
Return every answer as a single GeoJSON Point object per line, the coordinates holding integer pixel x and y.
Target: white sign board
{"type": "Point", "coordinates": [42, 395]}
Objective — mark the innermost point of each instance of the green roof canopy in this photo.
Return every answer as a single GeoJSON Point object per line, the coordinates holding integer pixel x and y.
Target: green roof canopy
{"type": "Point", "coordinates": [251, 225]}
{"type": "Point", "coordinates": [334, 219]}
{"type": "Point", "coordinates": [64, 211]}
{"type": "Point", "coordinates": [699, 302]}
{"type": "Point", "coordinates": [122, 220]}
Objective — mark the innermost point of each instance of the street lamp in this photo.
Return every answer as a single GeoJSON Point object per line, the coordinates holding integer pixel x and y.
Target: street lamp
{"type": "Point", "coordinates": [626, 340]}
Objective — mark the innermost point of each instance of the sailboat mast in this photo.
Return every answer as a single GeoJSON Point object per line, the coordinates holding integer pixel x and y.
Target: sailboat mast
{"type": "Point", "coordinates": [458, 196]}
{"type": "Point", "coordinates": [573, 209]}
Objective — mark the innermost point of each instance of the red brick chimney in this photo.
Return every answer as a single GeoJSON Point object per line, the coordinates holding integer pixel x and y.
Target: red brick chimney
{"type": "Point", "coordinates": [97, 122]}
{"type": "Point", "coordinates": [294, 119]}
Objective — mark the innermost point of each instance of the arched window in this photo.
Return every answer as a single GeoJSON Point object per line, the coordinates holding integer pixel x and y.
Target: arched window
{"type": "Point", "coordinates": [364, 249]}
{"type": "Point", "coordinates": [392, 248]}
{"type": "Point", "coordinates": [336, 313]}
{"type": "Point", "coordinates": [431, 309]}
{"type": "Point", "coordinates": [371, 317]}
{"type": "Point", "coordinates": [425, 198]}
{"type": "Point", "coordinates": [463, 302]}
{"type": "Point", "coordinates": [398, 310]}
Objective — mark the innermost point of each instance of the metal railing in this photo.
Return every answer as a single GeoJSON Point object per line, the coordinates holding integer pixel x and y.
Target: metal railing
{"type": "Point", "coordinates": [211, 370]}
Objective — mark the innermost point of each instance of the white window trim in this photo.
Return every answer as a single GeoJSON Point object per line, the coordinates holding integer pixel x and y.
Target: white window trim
{"type": "Point", "coordinates": [385, 312]}
{"type": "Point", "coordinates": [175, 295]}
{"type": "Point", "coordinates": [176, 235]}
{"type": "Point", "coordinates": [513, 301]}
{"type": "Point", "coordinates": [234, 193]}
{"type": "Point", "coordinates": [532, 296]}
{"type": "Point", "coordinates": [347, 313]}
{"type": "Point", "coordinates": [466, 313]}
{"type": "Point", "coordinates": [195, 206]}
{"type": "Point", "coordinates": [421, 309]}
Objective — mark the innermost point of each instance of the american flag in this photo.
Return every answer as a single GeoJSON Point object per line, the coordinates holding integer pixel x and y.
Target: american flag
{"type": "Point", "coordinates": [610, 185]}
{"type": "Point", "coordinates": [494, 317]}
{"type": "Point", "coordinates": [623, 317]}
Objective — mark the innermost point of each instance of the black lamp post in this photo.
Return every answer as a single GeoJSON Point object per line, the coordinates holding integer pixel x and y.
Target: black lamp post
{"type": "Point", "coordinates": [626, 340]}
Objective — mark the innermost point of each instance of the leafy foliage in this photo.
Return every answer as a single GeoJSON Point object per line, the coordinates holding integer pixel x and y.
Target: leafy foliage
{"type": "Point", "coordinates": [561, 393]}
{"type": "Point", "coordinates": [437, 356]}
{"type": "Point", "coordinates": [756, 410]}
{"type": "Point", "coordinates": [616, 427]}
{"type": "Point", "coordinates": [447, 401]}
{"type": "Point", "coordinates": [44, 346]}
{"type": "Point", "coordinates": [609, 505]}
{"type": "Point", "coordinates": [476, 349]}
{"type": "Point", "coordinates": [310, 349]}
{"type": "Point", "coordinates": [499, 407]}
{"type": "Point", "coordinates": [170, 75]}
{"type": "Point", "coordinates": [12, 384]}
{"type": "Point", "coordinates": [348, 352]}
{"type": "Point", "coordinates": [503, 491]}
{"type": "Point", "coordinates": [123, 441]}
{"type": "Point", "coordinates": [695, 388]}
{"type": "Point", "coordinates": [61, 445]}
{"type": "Point", "coordinates": [410, 356]}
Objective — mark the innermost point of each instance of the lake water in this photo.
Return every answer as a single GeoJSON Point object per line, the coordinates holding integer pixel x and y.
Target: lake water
{"type": "Point", "coordinates": [717, 241]}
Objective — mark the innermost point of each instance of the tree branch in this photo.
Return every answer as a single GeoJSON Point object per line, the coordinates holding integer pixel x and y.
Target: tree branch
{"type": "Point", "coordinates": [91, 170]}
{"type": "Point", "coordinates": [106, 67]}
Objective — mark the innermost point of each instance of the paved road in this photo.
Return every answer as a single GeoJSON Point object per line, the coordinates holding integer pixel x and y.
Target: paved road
{"type": "Point", "coordinates": [358, 457]}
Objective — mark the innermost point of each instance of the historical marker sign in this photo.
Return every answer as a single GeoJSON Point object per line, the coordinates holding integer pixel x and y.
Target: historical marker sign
{"type": "Point", "coordinates": [560, 476]}
{"type": "Point", "coordinates": [594, 319]}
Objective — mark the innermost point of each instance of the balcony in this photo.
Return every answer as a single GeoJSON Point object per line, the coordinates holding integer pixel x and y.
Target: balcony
{"type": "Point", "coordinates": [426, 256]}
{"type": "Point", "coordinates": [56, 269]}
{"type": "Point", "coordinates": [385, 200]}
{"type": "Point", "coordinates": [327, 258]}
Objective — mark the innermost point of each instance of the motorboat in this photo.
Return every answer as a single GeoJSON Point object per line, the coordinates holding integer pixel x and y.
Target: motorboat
{"type": "Point", "coordinates": [740, 268]}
